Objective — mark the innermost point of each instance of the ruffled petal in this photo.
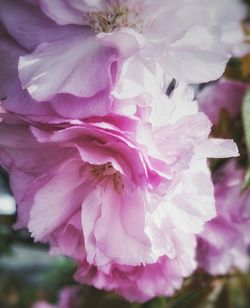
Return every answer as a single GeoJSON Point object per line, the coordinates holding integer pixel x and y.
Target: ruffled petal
{"type": "Point", "coordinates": [78, 65]}
{"type": "Point", "coordinates": [126, 41]}
{"type": "Point", "coordinates": [187, 58]}
{"type": "Point", "coordinates": [218, 148]}
{"type": "Point", "coordinates": [125, 240]}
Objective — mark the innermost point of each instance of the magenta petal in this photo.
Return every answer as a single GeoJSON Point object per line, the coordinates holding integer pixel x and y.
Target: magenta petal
{"type": "Point", "coordinates": [9, 54]}
{"type": "Point", "coordinates": [29, 26]}
{"type": "Point", "coordinates": [15, 99]}
{"type": "Point", "coordinates": [222, 95]}
{"type": "Point", "coordinates": [28, 162]}
{"type": "Point", "coordinates": [69, 106]}
{"type": "Point", "coordinates": [54, 202]}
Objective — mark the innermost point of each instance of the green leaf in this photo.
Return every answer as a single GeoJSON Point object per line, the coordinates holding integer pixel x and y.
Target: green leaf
{"type": "Point", "coordinates": [158, 302]}
{"type": "Point", "coordinates": [223, 299]}
{"type": "Point", "coordinates": [246, 119]}
{"type": "Point", "coordinates": [246, 181]}
{"type": "Point", "coordinates": [246, 125]}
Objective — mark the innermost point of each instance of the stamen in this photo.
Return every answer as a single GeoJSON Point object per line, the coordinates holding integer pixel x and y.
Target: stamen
{"type": "Point", "coordinates": [107, 170]}
{"type": "Point", "coordinates": [115, 17]}
{"type": "Point", "coordinates": [118, 183]}
{"type": "Point", "coordinates": [103, 170]}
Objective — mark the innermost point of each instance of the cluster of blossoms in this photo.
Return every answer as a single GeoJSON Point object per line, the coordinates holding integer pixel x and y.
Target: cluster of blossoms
{"type": "Point", "coordinates": [103, 140]}
{"type": "Point", "coordinates": [69, 297]}
{"type": "Point", "coordinates": [224, 244]}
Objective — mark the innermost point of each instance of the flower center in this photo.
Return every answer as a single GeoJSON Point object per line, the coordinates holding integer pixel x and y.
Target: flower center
{"type": "Point", "coordinates": [107, 170]}
{"type": "Point", "coordinates": [116, 16]}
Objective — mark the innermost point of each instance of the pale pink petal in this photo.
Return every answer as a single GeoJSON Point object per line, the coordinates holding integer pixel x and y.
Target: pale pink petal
{"type": "Point", "coordinates": [218, 148]}
{"type": "Point", "coordinates": [121, 238]}
{"type": "Point", "coordinates": [126, 41]}
{"type": "Point", "coordinates": [192, 202]}
{"type": "Point", "coordinates": [88, 5]}
{"type": "Point", "coordinates": [192, 67]}
{"type": "Point", "coordinates": [62, 12]}
{"type": "Point", "coordinates": [84, 73]}
{"type": "Point", "coordinates": [69, 240]}
{"type": "Point", "coordinates": [91, 212]}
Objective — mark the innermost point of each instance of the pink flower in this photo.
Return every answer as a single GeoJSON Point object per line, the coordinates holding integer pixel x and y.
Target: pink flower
{"type": "Point", "coordinates": [68, 298]}
{"type": "Point", "coordinates": [224, 245]}
{"type": "Point", "coordinates": [224, 95]}
{"type": "Point", "coordinates": [99, 167]}
{"type": "Point", "coordinates": [42, 304]}
{"type": "Point", "coordinates": [117, 194]}
{"type": "Point", "coordinates": [117, 178]}
{"type": "Point", "coordinates": [85, 46]}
